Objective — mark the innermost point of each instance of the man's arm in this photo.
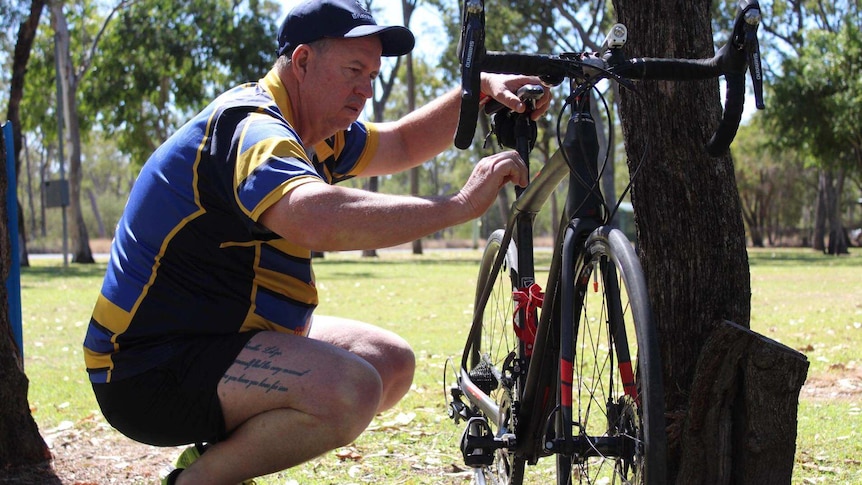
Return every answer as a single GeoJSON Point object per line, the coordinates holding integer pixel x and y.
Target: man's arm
{"type": "Point", "coordinates": [423, 134]}
{"type": "Point", "coordinates": [325, 217]}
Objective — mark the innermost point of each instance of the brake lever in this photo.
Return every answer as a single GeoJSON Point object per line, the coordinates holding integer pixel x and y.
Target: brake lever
{"type": "Point", "coordinates": [470, 52]}
{"type": "Point", "coordinates": [745, 38]}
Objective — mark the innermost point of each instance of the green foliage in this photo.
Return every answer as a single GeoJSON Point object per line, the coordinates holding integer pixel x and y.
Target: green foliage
{"type": "Point", "coordinates": [11, 14]}
{"type": "Point", "coordinates": [815, 105]}
{"type": "Point", "coordinates": [160, 61]}
{"type": "Point", "coordinates": [773, 187]}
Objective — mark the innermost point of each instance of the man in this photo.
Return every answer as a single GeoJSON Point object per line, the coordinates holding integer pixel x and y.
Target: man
{"type": "Point", "coordinates": [203, 330]}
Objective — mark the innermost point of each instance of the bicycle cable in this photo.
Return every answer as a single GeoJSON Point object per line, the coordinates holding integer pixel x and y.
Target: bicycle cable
{"type": "Point", "coordinates": [592, 187]}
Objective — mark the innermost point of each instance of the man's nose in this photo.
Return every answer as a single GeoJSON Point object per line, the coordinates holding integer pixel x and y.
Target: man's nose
{"type": "Point", "coordinates": [365, 89]}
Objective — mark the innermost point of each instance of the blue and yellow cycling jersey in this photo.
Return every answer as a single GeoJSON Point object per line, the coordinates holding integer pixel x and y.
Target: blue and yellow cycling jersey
{"type": "Point", "coordinates": [189, 257]}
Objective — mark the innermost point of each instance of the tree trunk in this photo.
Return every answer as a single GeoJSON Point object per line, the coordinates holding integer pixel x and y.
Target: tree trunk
{"type": "Point", "coordinates": [407, 8]}
{"type": "Point", "coordinates": [818, 239]}
{"type": "Point", "coordinates": [81, 252]}
{"type": "Point", "coordinates": [31, 203]}
{"type": "Point", "coordinates": [94, 205]}
{"type": "Point", "coordinates": [21, 446]}
{"type": "Point", "coordinates": [22, 449]}
{"type": "Point", "coordinates": [373, 186]}
{"type": "Point", "coordinates": [21, 57]}
{"type": "Point", "coordinates": [690, 231]}
{"type": "Point", "coordinates": [838, 239]}
{"type": "Point", "coordinates": [743, 380]}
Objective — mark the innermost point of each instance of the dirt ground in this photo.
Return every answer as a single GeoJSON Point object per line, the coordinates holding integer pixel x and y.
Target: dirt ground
{"type": "Point", "coordinates": [90, 452]}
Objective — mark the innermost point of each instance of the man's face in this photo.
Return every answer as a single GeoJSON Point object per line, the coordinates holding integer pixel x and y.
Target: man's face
{"type": "Point", "coordinates": [340, 78]}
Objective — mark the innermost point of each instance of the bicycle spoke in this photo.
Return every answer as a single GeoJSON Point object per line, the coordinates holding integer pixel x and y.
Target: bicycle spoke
{"type": "Point", "coordinates": [608, 421]}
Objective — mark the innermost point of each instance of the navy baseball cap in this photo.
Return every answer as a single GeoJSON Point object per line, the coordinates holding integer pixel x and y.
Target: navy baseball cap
{"type": "Point", "coordinates": [317, 19]}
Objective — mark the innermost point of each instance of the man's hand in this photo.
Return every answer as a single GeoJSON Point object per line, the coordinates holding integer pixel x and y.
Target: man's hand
{"type": "Point", "coordinates": [490, 175]}
{"type": "Point", "coordinates": [502, 87]}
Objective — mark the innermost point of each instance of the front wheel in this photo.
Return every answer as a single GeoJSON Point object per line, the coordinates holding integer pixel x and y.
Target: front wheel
{"type": "Point", "coordinates": [611, 389]}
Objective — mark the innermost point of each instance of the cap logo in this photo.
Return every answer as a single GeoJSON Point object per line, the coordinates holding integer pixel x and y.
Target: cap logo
{"type": "Point", "coordinates": [363, 13]}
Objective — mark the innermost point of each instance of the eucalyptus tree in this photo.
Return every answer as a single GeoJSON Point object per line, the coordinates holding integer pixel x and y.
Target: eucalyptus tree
{"type": "Point", "coordinates": [727, 419]}
{"type": "Point", "coordinates": [810, 48]}
{"type": "Point", "coordinates": [161, 61]}
{"type": "Point", "coordinates": [817, 109]}
{"type": "Point", "coordinates": [136, 70]}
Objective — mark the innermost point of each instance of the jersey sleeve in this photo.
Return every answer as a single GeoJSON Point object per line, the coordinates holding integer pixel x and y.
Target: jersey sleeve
{"type": "Point", "coordinates": [270, 162]}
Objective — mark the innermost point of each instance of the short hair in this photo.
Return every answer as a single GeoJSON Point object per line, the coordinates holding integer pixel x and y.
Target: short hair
{"type": "Point", "coordinates": [320, 46]}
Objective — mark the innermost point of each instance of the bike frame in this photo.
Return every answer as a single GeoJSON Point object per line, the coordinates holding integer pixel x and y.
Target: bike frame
{"type": "Point", "coordinates": [546, 358]}
{"type": "Point", "coordinates": [585, 212]}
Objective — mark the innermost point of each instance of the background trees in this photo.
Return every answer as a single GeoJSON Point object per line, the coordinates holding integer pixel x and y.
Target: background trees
{"type": "Point", "coordinates": [133, 72]}
{"type": "Point", "coordinates": [155, 63]}
{"type": "Point", "coordinates": [815, 107]}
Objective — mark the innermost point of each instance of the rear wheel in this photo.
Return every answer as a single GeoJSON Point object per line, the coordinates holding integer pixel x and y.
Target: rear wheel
{"type": "Point", "coordinates": [494, 353]}
{"type": "Point", "coordinates": [617, 408]}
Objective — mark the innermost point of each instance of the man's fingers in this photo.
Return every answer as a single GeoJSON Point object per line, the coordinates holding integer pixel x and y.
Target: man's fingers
{"type": "Point", "coordinates": [514, 167]}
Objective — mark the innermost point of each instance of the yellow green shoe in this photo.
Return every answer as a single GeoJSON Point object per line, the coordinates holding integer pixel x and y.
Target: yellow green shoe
{"type": "Point", "coordinates": [190, 454]}
{"type": "Point", "coordinates": [186, 458]}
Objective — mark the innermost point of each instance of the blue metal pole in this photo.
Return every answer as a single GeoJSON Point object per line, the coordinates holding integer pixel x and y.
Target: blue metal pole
{"type": "Point", "coordinates": [13, 282]}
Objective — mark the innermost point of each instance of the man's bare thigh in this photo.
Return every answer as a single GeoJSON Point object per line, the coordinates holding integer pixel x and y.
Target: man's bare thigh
{"type": "Point", "coordinates": [283, 371]}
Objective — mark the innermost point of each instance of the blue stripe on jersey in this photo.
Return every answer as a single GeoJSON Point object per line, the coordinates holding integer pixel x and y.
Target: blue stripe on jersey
{"type": "Point", "coordinates": [98, 339]}
{"type": "Point", "coordinates": [276, 308]}
{"type": "Point", "coordinates": [169, 176]}
{"type": "Point", "coordinates": [268, 177]}
{"type": "Point", "coordinates": [275, 260]}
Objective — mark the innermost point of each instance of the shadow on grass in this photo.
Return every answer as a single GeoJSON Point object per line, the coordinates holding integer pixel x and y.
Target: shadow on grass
{"type": "Point", "coordinates": [58, 271]}
{"type": "Point", "coordinates": [802, 257]}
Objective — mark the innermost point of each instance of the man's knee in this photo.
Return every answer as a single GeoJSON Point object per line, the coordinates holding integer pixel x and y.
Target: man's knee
{"type": "Point", "coordinates": [354, 399]}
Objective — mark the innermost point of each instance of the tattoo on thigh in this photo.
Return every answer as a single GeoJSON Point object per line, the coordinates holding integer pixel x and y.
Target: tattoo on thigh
{"type": "Point", "coordinates": [264, 363]}
{"type": "Point", "coordinates": [265, 384]}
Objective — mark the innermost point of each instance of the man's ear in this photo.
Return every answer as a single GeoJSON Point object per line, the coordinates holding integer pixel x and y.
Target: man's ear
{"type": "Point", "coordinates": [299, 60]}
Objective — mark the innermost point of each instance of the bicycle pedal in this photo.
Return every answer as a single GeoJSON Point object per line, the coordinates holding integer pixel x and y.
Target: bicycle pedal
{"type": "Point", "coordinates": [478, 443]}
{"type": "Point", "coordinates": [456, 409]}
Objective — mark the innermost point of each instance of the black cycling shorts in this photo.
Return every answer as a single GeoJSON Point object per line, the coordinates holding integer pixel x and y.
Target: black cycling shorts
{"type": "Point", "coordinates": [177, 402]}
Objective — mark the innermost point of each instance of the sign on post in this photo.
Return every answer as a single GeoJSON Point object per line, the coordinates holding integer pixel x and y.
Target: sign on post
{"type": "Point", "coordinates": [56, 193]}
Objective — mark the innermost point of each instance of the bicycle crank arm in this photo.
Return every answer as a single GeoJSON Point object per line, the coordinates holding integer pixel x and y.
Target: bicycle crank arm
{"type": "Point", "coordinates": [478, 444]}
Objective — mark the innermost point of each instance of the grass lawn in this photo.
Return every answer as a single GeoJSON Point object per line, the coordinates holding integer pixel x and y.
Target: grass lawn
{"type": "Point", "coordinates": [810, 302]}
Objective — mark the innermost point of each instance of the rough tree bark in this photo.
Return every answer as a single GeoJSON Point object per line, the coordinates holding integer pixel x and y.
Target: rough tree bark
{"type": "Point", "coordinates": [20, 59]}
{"type": "Point", "coordinates": [22, 450]}
{"type": "Point", "coordinates": [692, 243]}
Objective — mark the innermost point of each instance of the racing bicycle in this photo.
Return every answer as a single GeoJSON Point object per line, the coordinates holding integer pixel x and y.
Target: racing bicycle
{"type": "Point", "coordinates": [571, 369]}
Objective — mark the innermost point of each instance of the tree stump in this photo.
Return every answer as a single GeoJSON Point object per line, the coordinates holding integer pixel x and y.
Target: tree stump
{"type": "Point", "coordinates": [741, 423]}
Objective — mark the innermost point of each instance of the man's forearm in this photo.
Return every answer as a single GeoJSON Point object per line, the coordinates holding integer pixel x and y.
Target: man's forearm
{"type": "Point", "coordinates": [418, 136]}
{"type": "Point", "coordinates": [327, 218]}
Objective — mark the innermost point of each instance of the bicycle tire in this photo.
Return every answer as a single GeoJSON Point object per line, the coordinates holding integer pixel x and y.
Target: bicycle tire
{"type": "Point", "coordinates": [611, 305]}
{"type": "Point", "coordinates": [496, 343]}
